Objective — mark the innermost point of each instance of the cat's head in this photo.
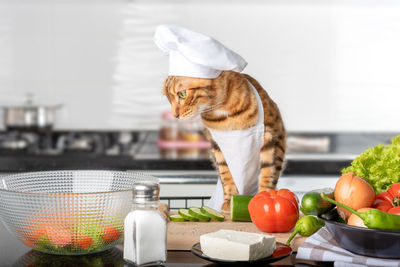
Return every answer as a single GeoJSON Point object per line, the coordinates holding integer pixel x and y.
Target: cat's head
{"type": "Point", "coordinates": [190, 96]}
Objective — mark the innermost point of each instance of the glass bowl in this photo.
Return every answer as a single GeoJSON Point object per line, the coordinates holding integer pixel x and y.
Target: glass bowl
{"type": "Point", "coordinates": [68, 212]}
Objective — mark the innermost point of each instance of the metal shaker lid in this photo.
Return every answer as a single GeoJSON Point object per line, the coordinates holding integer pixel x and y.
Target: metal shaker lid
{"type": "Point", "coordinates": [149, 191]}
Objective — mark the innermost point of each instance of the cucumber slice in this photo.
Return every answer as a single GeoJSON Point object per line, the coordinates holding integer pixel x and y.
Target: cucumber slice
{"type": "Point", "coordinates": [185, 214]}
{"type": "Point", "coordinates": [176, 218]}
{"type": "Point", "coordinates": [197, 213]}
{"type": "Point", "coordinates": [239, 208]}
{"type": "Point", "coordinates": [213, 214]}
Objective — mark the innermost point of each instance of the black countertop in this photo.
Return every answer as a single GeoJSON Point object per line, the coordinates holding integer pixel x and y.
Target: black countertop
{"type": "Point", "coordinates": [344, 147]}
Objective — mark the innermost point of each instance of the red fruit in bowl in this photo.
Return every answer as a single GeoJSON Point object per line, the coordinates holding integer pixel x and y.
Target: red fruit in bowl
{"type": "Point", "coordinates": [58, 236]}
{"type": "Point", "coordinates": [83, 241]}
{"type": "Point", "coordinates": [111, 233]}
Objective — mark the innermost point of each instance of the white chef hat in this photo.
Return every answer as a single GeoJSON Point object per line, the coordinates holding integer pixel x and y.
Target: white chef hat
{"type": "Point", "coordinates": [193, 54]}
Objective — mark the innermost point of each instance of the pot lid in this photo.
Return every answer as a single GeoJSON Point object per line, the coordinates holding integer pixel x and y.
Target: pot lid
{"type": "Point", "coordinates": [30, 104]}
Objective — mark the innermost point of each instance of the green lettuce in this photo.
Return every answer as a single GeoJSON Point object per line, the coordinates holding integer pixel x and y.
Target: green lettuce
{"type": "Point", "coordinates": [379, 165]}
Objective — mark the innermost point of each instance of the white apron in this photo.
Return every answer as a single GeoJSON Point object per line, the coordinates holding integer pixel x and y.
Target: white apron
{"type": "Point", "coordinates": [241, 149]}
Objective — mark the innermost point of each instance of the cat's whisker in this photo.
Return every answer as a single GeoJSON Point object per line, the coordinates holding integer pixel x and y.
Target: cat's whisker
{"type": "Point", "coordinates": [210, 108]}
{"type": "Point", "coordinates": [187, 115]}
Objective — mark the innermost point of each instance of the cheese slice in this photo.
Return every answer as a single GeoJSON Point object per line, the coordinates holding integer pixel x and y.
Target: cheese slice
{"type": "Point", "coordinates": [237, 246]}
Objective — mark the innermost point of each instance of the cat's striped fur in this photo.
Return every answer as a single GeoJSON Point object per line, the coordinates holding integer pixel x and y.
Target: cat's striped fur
{"type": "Point", "coordinates": [228, 103]}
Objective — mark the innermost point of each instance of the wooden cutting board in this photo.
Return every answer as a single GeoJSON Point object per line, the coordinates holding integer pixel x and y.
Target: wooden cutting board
{"type": "Point", "coordinates": [182, 235]}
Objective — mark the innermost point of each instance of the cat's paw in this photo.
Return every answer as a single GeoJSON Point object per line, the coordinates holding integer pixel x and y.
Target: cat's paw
{"type": "Point", "coordinates": [261, 189]}
{"type": "Point", "coordinates": [226, 207]}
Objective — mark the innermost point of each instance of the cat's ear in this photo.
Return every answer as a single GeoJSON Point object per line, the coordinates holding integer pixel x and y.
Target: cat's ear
{"type": "Point", "coordinates": [166, 85]}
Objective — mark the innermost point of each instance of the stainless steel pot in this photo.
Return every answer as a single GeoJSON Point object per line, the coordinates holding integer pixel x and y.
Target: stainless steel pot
{"type": "Point", "coordinates": [30, 116]}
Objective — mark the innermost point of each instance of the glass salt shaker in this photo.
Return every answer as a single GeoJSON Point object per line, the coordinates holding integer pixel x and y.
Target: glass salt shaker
{"type": "Point", "coordinates": [145, 230]}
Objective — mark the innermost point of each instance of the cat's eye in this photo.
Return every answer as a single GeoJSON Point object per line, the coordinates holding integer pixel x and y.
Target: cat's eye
{"type": "Point", "coordinates": [182, 94]}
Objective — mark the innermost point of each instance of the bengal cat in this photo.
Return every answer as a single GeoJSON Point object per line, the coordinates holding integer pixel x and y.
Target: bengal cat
{"type": "Point", "coordinates": [228, 103]}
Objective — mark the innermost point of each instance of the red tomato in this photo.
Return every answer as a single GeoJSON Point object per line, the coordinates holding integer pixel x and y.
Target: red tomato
{"type": "Point", "coordinates": [394, 191]}
{"type": "Point", "coordinates": [58, 236]}
{"type": "Point", "coordinates": [290, 195]}
{"type": "Point", "coordinates": [382, 205]}
{"type": "Point", "coordinates": [394, 210]}
{"type": "Point", "coordinates": [385, 201]}
{"type": "Point", "coordinates": [83, 241]}
{"type": "Point", "coordinates": [274, 211]}
{"type": "Point", "coordinates": [35, 232]}
{"type": "Point", "coordinates": [111, 233]}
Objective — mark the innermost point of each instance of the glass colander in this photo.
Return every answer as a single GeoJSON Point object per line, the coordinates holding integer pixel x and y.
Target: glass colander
{"type": "Point", "coordinates": [68, 212]}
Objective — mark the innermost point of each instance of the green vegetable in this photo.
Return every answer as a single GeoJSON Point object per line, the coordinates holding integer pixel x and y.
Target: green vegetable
{"type": "Point", "coordinates": [96, 232]}
{"type": "Point", "coordinates": [306, 226]}
{"type": "Point", "coordinates": [213, 214]}
{"type": "Point", "coordinates": [185, 214]}
{"type": "Point", "coordinates": [239, 208]}
{"type": "Point", "coordinates": [197, 213]}
{"type": "Point", "coordinates": [44, 243]}
{"type": "Point", "coordinates": [313, 204]}
{"type": "Point", "coordinates": [373, 218]}
{"type": "Point", "coordinates": [176, 218]}
{"type": "Point", "coordinates": [379, 166]}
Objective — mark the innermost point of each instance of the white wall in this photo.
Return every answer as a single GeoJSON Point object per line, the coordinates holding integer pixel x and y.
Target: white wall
{"type": "Point", "coordinates": [330, 65]}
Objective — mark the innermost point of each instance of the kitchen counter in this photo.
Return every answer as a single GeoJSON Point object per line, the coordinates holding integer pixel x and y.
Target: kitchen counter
{"type": "Point", "coordinates": [15, 253]}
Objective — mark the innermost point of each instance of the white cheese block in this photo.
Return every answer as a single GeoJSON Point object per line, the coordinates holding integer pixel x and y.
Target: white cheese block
{"type": "Point", "coordinates": [237, 246]}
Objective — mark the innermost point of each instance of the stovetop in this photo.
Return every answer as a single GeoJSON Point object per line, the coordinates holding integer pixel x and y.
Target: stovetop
{"type": "Point", "coordinates": [68, 142]}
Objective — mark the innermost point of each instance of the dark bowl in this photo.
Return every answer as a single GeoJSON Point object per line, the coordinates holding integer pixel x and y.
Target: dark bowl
{"type": "Point", "coordinates": [365, 241]}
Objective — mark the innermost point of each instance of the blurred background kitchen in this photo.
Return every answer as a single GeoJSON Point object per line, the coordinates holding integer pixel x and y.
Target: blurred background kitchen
{"type": "Point", "coordinates": [80, 85]}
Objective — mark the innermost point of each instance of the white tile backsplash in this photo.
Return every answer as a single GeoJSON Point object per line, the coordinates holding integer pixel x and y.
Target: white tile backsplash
{"type": "Point", "coordinates": [330, 65]}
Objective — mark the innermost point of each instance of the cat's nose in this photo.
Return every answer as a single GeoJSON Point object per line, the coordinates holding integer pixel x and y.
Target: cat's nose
{"type": "Point", "coordinates": [176, 114]}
